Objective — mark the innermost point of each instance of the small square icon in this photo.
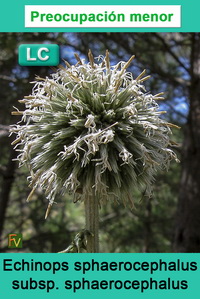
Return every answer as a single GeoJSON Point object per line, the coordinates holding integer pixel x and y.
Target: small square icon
{"type": "Point", "coordinates": [15, 241]}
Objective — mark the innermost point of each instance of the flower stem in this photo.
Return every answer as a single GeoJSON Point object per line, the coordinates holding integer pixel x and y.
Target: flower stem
{"type": "Point", "coordinates": [92, 223]}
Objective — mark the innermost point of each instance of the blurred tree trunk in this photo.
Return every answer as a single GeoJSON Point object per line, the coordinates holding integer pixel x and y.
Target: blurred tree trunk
{"type": "Point", "coordinates": [187, 234]}
{"type": "Point", "coordinates": [7, 181]}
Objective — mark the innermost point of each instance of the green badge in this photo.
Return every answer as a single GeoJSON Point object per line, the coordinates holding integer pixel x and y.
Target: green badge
{"type": "Point", "coordinates": [38, 54]}
{"type": "Point", "coordinates": [15, 241]}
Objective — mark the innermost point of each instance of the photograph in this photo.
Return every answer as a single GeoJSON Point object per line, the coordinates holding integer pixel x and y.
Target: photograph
{"type": "Point", "coordinates": [100, 152]}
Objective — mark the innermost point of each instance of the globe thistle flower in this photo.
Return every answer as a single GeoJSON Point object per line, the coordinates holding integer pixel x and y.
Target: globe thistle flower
{"type": "Point", "coordinates": [92, 130]}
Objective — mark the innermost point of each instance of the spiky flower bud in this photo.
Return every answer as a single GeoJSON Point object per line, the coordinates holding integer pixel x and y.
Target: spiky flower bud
{"type": "Point", "coordinates": [92, 128]}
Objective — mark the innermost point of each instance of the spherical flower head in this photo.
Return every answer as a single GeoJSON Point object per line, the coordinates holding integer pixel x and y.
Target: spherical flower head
{"type": "Point", "coordinates": [92, 129]}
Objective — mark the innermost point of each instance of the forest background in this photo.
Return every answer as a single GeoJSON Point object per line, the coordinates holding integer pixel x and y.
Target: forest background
{"type": "Point", "coordinates": [167, 222]}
